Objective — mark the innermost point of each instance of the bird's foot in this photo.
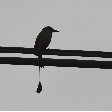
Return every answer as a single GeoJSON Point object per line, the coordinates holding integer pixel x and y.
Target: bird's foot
{"type": "Point", "coordinates": [42, 66]}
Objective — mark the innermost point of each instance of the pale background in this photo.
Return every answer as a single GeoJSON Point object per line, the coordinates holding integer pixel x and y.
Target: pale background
{"type": "Point", "coordinates": [83, 25]}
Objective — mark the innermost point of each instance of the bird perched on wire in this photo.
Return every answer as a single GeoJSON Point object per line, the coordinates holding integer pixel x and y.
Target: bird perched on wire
{"type": "Point", "coordinates": [43, 39]}
{"type": "Point", "coordinates": [42, 42]}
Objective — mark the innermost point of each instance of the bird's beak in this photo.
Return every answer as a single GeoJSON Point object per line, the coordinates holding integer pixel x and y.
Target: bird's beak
{"type": "Point", "coordinates": [55, 31]}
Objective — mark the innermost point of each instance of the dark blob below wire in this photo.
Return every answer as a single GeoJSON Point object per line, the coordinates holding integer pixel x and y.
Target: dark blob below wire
{"type": "Point", "coordinates": [39, 89]}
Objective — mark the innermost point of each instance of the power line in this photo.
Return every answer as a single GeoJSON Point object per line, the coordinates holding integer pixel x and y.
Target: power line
{"type": "Point", "coordinates": [56, 62]}
{"type": "Point", "coordinates": [57, 52]}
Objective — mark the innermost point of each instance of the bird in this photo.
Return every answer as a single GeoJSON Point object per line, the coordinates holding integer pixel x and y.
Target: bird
{"type": "Point", "coordinates": [42, 42]}
{"type": "Point", "coordinates": [43, 39]}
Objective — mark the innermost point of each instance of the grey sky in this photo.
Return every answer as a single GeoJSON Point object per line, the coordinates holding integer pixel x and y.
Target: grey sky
{"type": "Point", "coordinates": [83, 25]}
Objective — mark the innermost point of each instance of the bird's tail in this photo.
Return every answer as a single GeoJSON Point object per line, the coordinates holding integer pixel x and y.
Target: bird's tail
{"type": "Point", "coordinates": [39, 73]}
{"type": "Point", "coordinates": [39, 56]}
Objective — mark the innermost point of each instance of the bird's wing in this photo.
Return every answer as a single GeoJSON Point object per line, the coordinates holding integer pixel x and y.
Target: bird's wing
{"type": "Point", "coordinates": [37, 40]}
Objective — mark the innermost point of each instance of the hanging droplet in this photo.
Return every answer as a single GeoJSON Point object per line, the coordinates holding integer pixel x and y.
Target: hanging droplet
{"type": "Point", "coordinates": [39, 89]}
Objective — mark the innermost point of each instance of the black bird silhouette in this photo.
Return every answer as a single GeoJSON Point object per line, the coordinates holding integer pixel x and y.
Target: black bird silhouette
{"type": "Point", "coordinates": [42, 42]}
{"type": "Point", "coordinates": [43, 39]}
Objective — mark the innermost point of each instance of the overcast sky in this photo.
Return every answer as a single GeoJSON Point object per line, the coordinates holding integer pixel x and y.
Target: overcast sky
{"type": "Point", "coordinates": [83, 25]}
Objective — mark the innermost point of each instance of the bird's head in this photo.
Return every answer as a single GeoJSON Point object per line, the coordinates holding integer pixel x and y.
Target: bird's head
{"type": "Point", "coordinates": [48, 28]}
